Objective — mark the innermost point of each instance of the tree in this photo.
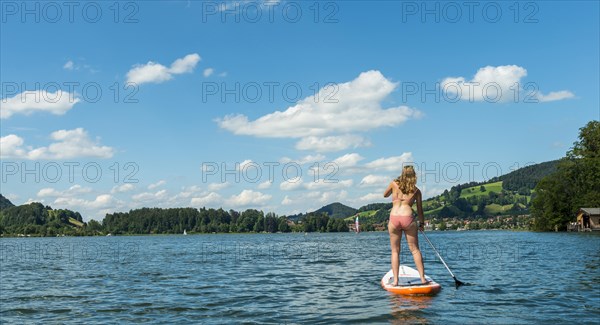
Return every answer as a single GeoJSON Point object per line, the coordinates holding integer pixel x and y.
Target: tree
{"type": "Point", "coordinates": [575, 184]}
{"type": "Point", "coordinates": [482, 188]}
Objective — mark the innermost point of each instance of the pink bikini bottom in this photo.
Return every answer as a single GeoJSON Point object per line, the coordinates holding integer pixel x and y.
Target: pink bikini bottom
{"type": "Point", "coordinates": [401, 222]}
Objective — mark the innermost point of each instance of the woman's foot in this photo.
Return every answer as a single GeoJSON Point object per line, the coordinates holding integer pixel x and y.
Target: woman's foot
{"type": "Point", "coordinates": [424, 281]}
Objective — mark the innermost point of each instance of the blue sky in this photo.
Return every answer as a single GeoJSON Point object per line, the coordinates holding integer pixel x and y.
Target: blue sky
{"type": "Point", "coordinates": [179, 66]}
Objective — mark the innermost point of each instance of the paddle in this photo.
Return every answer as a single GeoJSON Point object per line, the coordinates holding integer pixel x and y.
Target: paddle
{"type": "Point", "coordinates": [456, 281]}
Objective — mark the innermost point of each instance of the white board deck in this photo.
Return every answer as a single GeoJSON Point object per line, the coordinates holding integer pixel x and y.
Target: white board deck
{"type": "Point", "coordinates": [406, 277]}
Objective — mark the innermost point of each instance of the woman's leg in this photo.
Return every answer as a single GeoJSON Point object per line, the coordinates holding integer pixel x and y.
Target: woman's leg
{"type": "Point", "coordinates": [395, 238]}
{"type": "Point", "coordinates": [412, 239]}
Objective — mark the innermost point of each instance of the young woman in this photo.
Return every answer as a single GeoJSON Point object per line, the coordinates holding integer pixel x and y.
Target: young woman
{"type": "Point", "coordinates": [404, 194]}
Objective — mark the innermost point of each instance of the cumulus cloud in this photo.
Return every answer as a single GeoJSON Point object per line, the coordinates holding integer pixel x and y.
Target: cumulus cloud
{"type": "Point", "coordinates": [217, 186]}
{"type": "Point", "coordinates": [286, 201]}
{"type": "Point", "coordinates": [327, 125]}
{"type": "Point", "coordinates": [264, 185]}
{"type": "Point", "coordinates": [70, 192]}
{"type": "Point", "coordinates": [332, 196]}
{"type": "Point", "coordinates": [392, 164]}
{"type": "Point", "coordinates": [153, 72]}
{"type": "Point", "coordinates": [375, 180]}
{"type": "Point", "coordinates": [157, 184]}
{"type": "Point", "coordinates": [122, 188]}
{"type": "Point", "coordinates": [149, 196]}
{"type": "Point", "coordinates": [291, 184]}
{"type": "Point", "coordinates": [370, 197]}
{"type": "Point", "coordinates": [208, 199]}
{"type": "Point", "coordinates": [248, 198]}
{"type": "Point", "coordinates": [322, 185]}
{"type": "Point", "coordinates": [555, 95]}
{"type": "Point", "coordinates": [496, 84]}
{"type": "Point", "coordinates": [348, 160]}
{"type": "Point", "coordinates": [208, 72]}
{"type": "Point", "coordinates": [102, 201]}
{"type": "Point", "coordinates": [69, 65]}
{"type": "Point", "coordinates": [68, 144]}
{"type": "Point", "coordinates": [303, 160]}
{"type": "Point", "coordinates": [28, 102]}
{"type": "Point", "coordinates": [332, 143]}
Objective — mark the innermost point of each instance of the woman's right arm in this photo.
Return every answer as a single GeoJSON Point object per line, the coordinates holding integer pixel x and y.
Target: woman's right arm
{"type": "Point", "coordinates": [420, 210]}
{"type": "Point", "coordinates": [388, 190]}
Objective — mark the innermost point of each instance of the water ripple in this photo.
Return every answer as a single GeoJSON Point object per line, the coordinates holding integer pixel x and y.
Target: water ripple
{"type": "Point", "coordinates": [518, 278]}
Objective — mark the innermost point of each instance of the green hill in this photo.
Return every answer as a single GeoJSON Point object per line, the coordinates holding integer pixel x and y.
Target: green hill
{"type": "Point", "coordinates": [509, 194]}
{"type": "Point", "coordinates": [38, 220]}
{"type": "Point", "coordinates": [5, 203]}
{"type": "Point", "coordinates": [336, 210]}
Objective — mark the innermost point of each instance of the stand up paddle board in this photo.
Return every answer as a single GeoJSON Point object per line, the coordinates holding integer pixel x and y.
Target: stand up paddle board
{"type": "Point", "coordinates": [409, 283]}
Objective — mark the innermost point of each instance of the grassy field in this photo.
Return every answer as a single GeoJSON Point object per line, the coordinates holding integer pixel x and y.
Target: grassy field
{"type": "Point", "coordinates": [496, 208]}
{"type": "Point", "coordinates": [361, 215]}
{"type": "Point", "coordinates": [475, 190]}
{"type": "Point", "coordinates": [75, 222]}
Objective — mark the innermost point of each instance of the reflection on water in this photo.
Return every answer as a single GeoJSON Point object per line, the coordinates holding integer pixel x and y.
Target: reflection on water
{"type": "Point", "coordinates": [520, 278]}
{"type": "Point", "coordinates": [408, 309]}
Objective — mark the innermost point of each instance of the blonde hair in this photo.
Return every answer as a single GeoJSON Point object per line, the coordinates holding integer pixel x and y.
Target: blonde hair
{"type": "Point", "coordinates": [407, 182]}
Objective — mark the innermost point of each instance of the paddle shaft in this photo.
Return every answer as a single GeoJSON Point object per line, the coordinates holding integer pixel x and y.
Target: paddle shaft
{"type": "Point", "coordinates": [438, 255]}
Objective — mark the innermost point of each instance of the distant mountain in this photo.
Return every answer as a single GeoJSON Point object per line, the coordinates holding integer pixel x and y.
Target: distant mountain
{"type": "Point", "coordinates": [337, 210]}
{"type": "Point", "coordinates": [5, 203]}
{"type": "Point", "coordinates": [527, 177]}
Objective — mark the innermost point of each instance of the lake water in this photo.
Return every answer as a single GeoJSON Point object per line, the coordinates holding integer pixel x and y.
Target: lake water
{"type": "Point", "coordinates": [517, 277]}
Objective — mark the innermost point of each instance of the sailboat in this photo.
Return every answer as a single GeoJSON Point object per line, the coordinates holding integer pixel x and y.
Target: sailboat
{"type": "Point", "coordinates": [184, 232]}
{"type": "Point", "coordinates": [357, 225]}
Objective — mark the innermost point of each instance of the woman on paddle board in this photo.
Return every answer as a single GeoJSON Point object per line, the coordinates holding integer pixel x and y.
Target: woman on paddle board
{"type": "Point", "coordinates": [404, 194]}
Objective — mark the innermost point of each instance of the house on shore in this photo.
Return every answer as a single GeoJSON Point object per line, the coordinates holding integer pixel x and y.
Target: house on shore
{"type": "Point", "coordinates": [588, 219]}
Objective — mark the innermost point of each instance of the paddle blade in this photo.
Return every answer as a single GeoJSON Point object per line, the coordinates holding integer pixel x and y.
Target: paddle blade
{"type": "Point", "coordinates": [459, 283]}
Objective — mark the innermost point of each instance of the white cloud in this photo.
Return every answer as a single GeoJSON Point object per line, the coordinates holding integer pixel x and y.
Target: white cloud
{"type": "Point", "coordinates": [223, 74]}
{"type": "Point", "coordinates": [332, 143]}
{"type": "Point", "coordinates": [371, 197]}
{"type": "Point", "coordinates": [209, 199]}
{"type": "Point", "coordinates": [291, 184]}
{"type": "Point", "coordinates": [102, 201]}
{"type": "Point", "coordinates": [393, 164]}
{"type": "Point", "coordinates": [157, 184]}
{"type": "Point", "coordinates": [122, 188]}
{"type": "Point", "coordinates": [348, 160]}
{"type": "Point", "coordinates": [69, 65]}
{"type": "Point", "coordinates": [72, 191]}
{"type": "Point", "coordinates": [555, 95]}
{"type": "Point", "coordinates": [375, 180]}
{"type": "Point", "coordinates": [150, 197]}
{"type": "Point", "coordinates": [303, 160]}
{"type": "Point", "coordinates": [217, 186]}
{"type": "Point", "coordinates": [264, 185]}
{"type": "Point", "coordinates": [28, 102]}
{"type": "Point", "coordinates": [355, 106]}
{"type": "Point", "coordinates": [286, 201]}
{"type": "Point", "coordinates": [333, 196]}
{"type": "Point", "coordinates": [496, 84]}
{"type": "Point", "coordinates": [157, 73]}
{"type": "Point", "coordinates": [208, 72]}
{"type": "Point", "coordinates": [68, 144]}
{"type": "Point", "coordinates": [322, 185]}
{"type": "Point", "coordinates": [185, 64]}
{"type": "Point", "coordinates": [248, 198]}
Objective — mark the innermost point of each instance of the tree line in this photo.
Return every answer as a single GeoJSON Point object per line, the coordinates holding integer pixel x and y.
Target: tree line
{"type": "Point", "coordinates": [575, 184]}
{"type": "Point", "coordinates": [39, 220]}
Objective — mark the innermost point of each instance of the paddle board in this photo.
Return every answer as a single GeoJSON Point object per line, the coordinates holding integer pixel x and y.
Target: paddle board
{"type": "Point", "coordinates": [409, 283]}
